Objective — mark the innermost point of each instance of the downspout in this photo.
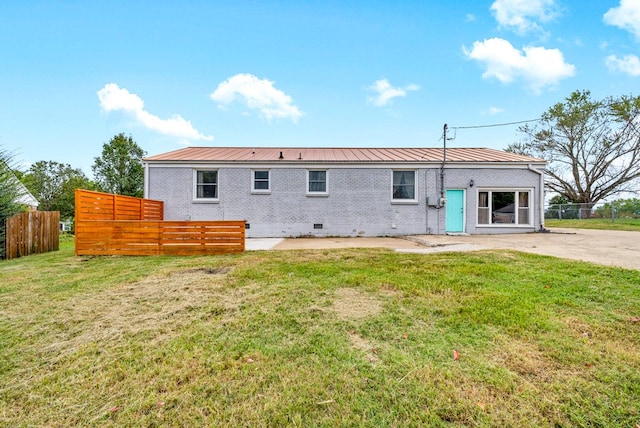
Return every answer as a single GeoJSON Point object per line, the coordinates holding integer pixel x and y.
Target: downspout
{"type": "Point", "coordinates": [146, 180]}
{"type": "Point", "coordinates": [541, 196]}
{"type": "Point", "coordinates": [435, 177]}
{"type": "Point", "coordinates": [426, 201]}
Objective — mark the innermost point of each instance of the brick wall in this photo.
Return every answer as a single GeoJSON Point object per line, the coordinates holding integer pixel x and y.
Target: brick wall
{"type": "Point", "coordinates": [358, 202]}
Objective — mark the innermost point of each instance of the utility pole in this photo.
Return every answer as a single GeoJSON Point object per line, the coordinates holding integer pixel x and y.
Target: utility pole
{"type": "Point", "coordinates": [444, 160]}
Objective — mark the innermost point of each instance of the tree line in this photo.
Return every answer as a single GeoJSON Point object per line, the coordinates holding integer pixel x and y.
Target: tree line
{"type": "Point", "coordinates": [117, 170]}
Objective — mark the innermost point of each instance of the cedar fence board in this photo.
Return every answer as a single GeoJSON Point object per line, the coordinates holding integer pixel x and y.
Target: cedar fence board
{"type": "Point", "coordinates": [121, 225]}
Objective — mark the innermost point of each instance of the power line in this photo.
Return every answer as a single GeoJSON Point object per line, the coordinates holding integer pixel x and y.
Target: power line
{"type": "Point", "coordinates": [494, 125]}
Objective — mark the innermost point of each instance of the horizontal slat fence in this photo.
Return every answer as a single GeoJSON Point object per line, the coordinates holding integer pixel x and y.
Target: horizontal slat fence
{"type": "Point", "coordinates": [134, 238]}
{"type": "Point", "coordinates": [105, 206]}
{"type": "Point", "coordinates": [121, 225]}
{"type": "Point", "coordinates": [31, 232]}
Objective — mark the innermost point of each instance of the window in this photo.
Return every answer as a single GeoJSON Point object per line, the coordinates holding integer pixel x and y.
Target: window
{"type": "Point", "coordinates": [206, 184]}
{"type": "Point", "coordinates": [317, 182]}
{"type": "Point", "coordinates": [504, 207]}
{"type": "Point", "coordinates": [523, 208]}
{"type": "Point", "coordinates": [404, 185]}
{"type": "Point", "coordinates": [260, 181]}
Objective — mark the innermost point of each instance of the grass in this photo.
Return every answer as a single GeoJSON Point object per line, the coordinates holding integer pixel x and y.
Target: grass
{"type": "Point", "coordinates": [631, 224]}
{"type": "Point", "coordinates": [318, 338]}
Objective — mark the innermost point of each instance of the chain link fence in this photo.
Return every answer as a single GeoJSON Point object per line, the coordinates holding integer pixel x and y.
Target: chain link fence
{"type": "Point", "coordinates": [605, 210]}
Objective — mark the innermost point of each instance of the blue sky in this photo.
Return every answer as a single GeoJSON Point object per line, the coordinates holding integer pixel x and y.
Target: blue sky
{"type": "Point", "coordinates": [298, 73]}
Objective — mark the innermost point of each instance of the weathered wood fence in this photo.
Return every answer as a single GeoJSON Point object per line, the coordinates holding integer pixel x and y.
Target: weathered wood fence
{"type": "Point", "coordinates": [121, 225]}
{"type": "Point", "coordinates": [31, 232]}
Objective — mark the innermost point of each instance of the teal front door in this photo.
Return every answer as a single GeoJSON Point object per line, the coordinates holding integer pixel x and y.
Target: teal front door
{"type": "Point", "coordinates": [455, 211]}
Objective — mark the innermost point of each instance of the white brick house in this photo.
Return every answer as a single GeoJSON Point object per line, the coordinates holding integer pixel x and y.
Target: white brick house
{"type": "Point", "coordinates": [284, 192]}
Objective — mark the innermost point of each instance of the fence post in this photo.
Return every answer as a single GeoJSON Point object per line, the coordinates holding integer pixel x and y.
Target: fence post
{"type": "Point", "coordinates": [613, 213]}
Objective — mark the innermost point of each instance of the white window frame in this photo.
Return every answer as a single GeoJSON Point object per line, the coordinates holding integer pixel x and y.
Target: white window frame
{"type": "Point", "coordinates": [253, 181]}
{"type": "Point", "coordinates": [326, 183]}
{"type": "Point", "coordinates": [195, 185]}
{"type": "Point", "coordinates": [516, 192]}
{"type": "Point", "coordinates": [413, 200]}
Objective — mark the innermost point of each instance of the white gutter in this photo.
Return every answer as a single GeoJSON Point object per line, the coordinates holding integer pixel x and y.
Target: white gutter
{"type": "Point", "coordinates": [541, 196]}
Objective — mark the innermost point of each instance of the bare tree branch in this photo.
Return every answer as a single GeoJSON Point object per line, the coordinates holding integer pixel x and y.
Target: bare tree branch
{"type": "Point", "coordinates": [592, 147]}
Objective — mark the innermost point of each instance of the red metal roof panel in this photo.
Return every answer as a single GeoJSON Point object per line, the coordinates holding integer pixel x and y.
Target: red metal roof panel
{"type": "Point", "coordinates": [333, 154]}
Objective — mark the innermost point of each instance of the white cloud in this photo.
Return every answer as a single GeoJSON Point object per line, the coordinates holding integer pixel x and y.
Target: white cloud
{"type": "Point", "coordinates": [114, 98]}
{"type": "Point", "coordinates": [258, 94]}
{"type": "Point", "coordinates": [523, 15]}
{"type": "Point", "coordinates": [625, 16]}
{"type": "Point", "coordinates": [537, 67]}
{"type": "Point", "coordinates": [384, 92]}
{"type": "Point", "coordinates": [629, 64]}
{"type": "Point", "coordinates": [495, 110]}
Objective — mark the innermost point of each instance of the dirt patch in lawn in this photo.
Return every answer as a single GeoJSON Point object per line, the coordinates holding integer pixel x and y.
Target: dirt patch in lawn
{"type": "Point", "coordinates": [206, 270]}
{"type": "Point", "coordinates": [352, 304]}
{"type": "Point", "coordinates": [525, 359]}
{"type": "Point", "coordinates": [362, 344]}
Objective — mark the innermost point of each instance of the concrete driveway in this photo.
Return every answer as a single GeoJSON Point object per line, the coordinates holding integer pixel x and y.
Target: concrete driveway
{"type": "Point", "coordinates": [606, 247]}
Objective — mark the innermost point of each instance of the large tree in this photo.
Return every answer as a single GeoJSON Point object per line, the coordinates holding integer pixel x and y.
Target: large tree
{"type": "Point", "coordinates": [53, 184]}
{"type": "Point", "coordinates": [119, 170]}
{"type": "Point", "coordinates": [592, 147]}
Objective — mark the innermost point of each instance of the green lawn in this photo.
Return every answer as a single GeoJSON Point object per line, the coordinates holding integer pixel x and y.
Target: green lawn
{"type": "Point", "coordinates": [632, 224]}
{"type": "Point", "coordinates": [318, 338]}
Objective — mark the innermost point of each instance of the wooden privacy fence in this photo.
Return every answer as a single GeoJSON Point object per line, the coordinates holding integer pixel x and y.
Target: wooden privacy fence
{"type": "Point", "coordinates": [153, 237]}
{"type": "Point", "coordinates": [120, 225]}
{"type": "Point", "coordinates": [105, 206]}
{"type": "Point", "coordinates": [31, 232]}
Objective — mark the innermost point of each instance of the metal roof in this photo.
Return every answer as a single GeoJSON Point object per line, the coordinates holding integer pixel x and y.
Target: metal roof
{"type": "Point", "coordinates": [335, 154]}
